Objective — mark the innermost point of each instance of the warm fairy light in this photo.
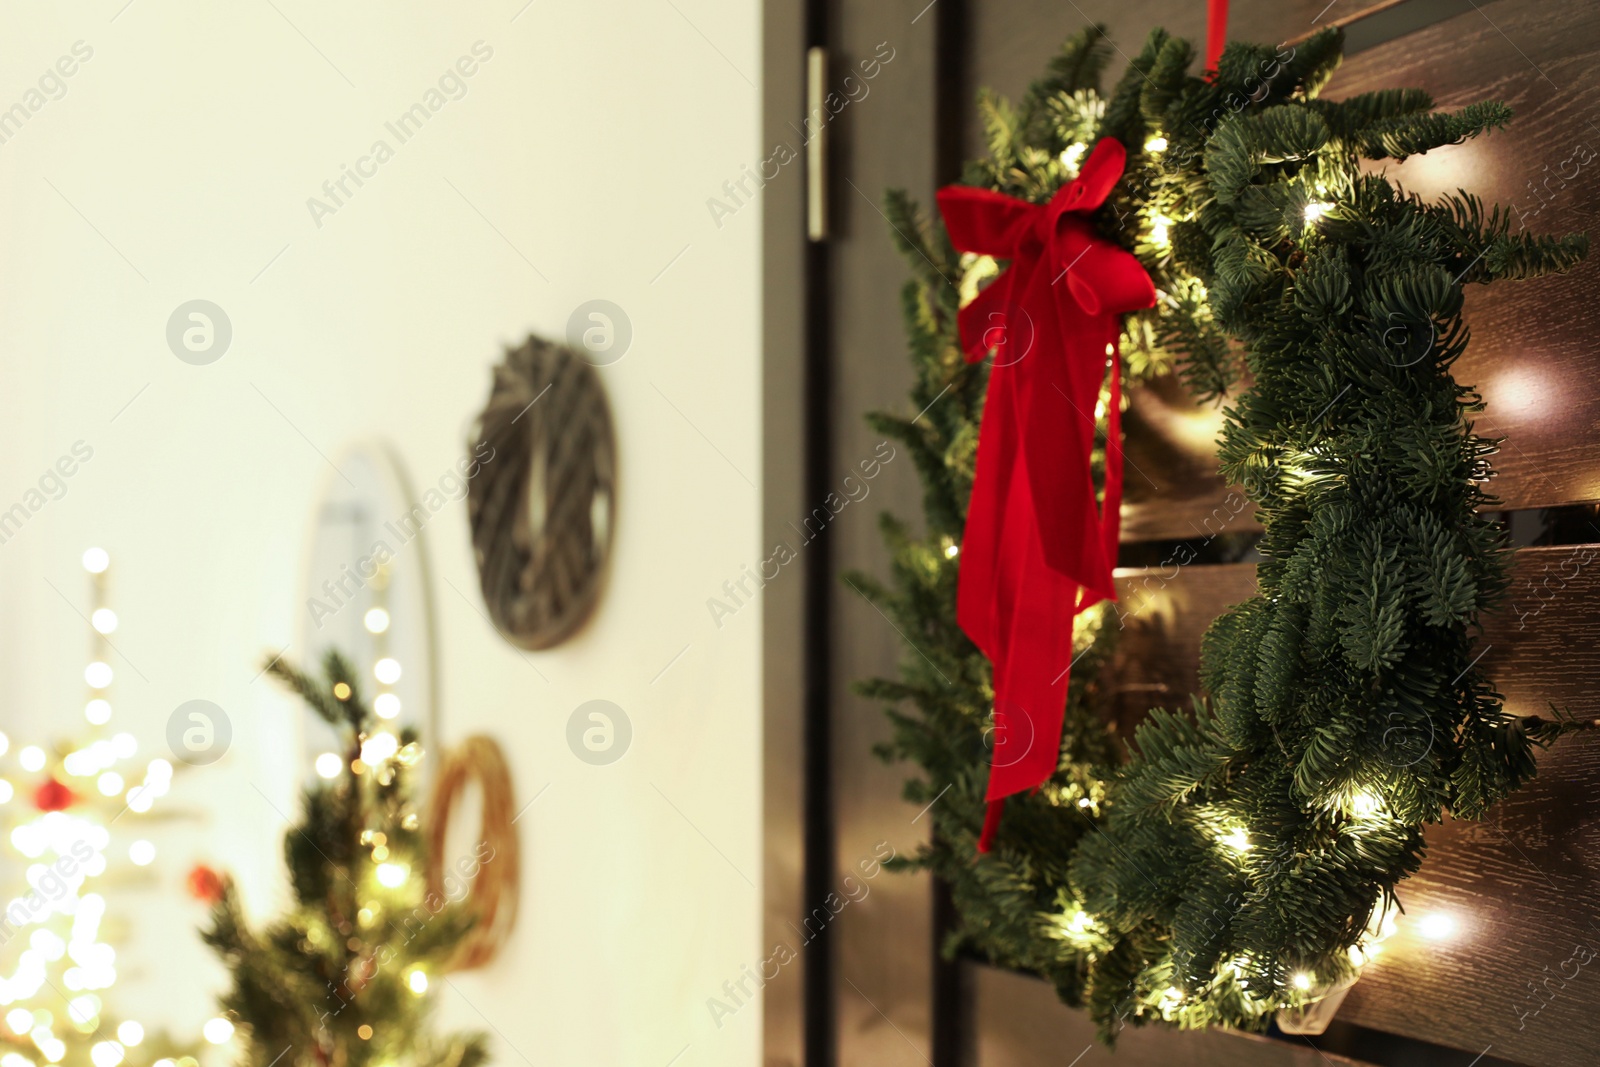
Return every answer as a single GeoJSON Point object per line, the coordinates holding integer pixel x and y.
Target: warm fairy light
{"type": "Point", "coordinates": [217, 1030]}
{"type": "Point", "coordinates": [329, 765]}
{"type": "Point", "coordinates": [364, 1032]}
{"type": "Point", "coordinates": [952, 551]}
{"type": "Point", "coordinates": [110, 783]}
{"type": "Point", "coordinates": [130, 1033]}
{"type": "Point", "coordinates": [96, 560]}
{"type": "Point", "coordinates": [341, 690]}
{"type": "Point", "coordinates": [1302, 981]}
{"type": "Point", "coordinates": [97, 711]}
{"type": "Point", "coordinates": [1316, 209]}
{"type": "Point", "coordinates": [31, 758]}
{"type": "Point", "coordinates": [141, 853]}
{"type": "Point", "coordinates": [98, 674]}
{"type": "Point", "coordinates": [379, 747]}
{"type": "Point", "coordinates": [1073, 153]}
{"type": "Point", "coordinates": [1237, 839]}
{"type": "Point", "coordinates": [1085, 802]}
{"type": "Point", "coordinates": [386, 705]}
{"type": "Point", "coordinates": [1364, 803]}
{"type": "Point", "coordinates": [376, 620]}
{"type": "Point", "coordinates": [1436, 926]}
{"type": "Point", "coordinates": [20, 1020]}
{"type": "Point", "coordinates": [104, 620]}
{"type": "Point", "coordinates": [1158, 229]}
{"type": "Point", "coordinates": [125, 745]}
{"type": "Point", "coordinates": [418, 981]}
{"type": "Point", "coordinates": [106, 1053]}
{"type": "Point", "coordinates": [387, 670]}
{"type": "Point", "coordinates": [6, 791]}
{"type": "Point", "coordinates": [5, 743]}
{"type": "Point", "coordinates": [1156, 144]}
{"type": "Point", "coordinates": [12, 1059]}
{"type": "Point", "coordinates": [392, 875]}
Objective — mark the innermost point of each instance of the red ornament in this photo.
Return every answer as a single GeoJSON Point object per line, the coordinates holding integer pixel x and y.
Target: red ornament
{"type": "Point", "coordinates": [1036, 551]}
{"type": "Point", "coordinates": [53, 796]}
{"type": "Point", "coordinates": [206, 884]}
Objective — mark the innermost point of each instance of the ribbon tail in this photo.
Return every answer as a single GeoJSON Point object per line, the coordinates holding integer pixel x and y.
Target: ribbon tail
{"type": "Point", "coordinates": [991, 824]}
{"type": "Point", "coordinates": [1216, 32]}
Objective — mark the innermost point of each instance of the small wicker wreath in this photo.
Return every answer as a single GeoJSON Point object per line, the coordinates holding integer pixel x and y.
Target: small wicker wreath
{"type": "Point", "coordinates": [543, 509]}
{"type": "Point", "coordinates": [498, 881]}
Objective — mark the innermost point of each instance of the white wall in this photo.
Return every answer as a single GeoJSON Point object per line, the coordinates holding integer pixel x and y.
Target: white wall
{"type": "Point", "coordinates": [178, 165]}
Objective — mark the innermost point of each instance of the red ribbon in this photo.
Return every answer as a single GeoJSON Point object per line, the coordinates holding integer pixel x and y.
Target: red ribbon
{"type": "Point", "coordinates": [1216, 32]}
{"type": "Point", "coordinates": [1036, 551]}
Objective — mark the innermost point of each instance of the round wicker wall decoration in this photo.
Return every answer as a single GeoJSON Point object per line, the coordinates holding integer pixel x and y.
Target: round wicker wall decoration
{"type": "Point", "coordinates": [543, 506]}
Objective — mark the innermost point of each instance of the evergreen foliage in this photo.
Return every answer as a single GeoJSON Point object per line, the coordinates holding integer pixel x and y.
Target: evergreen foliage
{"type": "Point", "coordinates": [334, 982]}
{"type": "Point", "coordinates": [1241, 857]}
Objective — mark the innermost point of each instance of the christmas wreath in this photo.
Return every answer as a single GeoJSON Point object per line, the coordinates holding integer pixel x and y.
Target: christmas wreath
{"type": "Point", "coordinates": [1240, 857]}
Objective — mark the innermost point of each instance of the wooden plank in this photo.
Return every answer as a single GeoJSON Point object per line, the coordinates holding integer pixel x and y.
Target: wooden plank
{"type": "Point", "coordinates": [1533, 355]}
{"type": "Point", "coordinates": [1025, 1025]}
{"type": "Point", "coordinates": [1521, 887]}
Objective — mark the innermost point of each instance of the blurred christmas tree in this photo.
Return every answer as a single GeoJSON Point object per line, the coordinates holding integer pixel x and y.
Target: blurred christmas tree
{"type": "Point", "coordinates": [56, 964]}
{"type": "Point", "coordinates": [341, 979]}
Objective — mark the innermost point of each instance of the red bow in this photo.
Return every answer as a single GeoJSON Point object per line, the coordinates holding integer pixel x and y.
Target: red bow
{"type": "Point", "coordinates": [1036, 551]}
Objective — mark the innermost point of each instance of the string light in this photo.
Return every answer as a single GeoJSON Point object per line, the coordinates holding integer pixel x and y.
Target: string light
{"type": "Point", "coordinates": [104, 620]}
{"type": "Point", "coordinates": [217, 1031]}
{"type": "Point", "coordinates": [951, 551]}
{"type": "Point", "coordinates": [96, 560]}
{"type": "Point", "coordinates": [387, 670]}
{"type": "Point", "coordinates": [141, 852]}
{"type": "Point", "coordinates": [1316, 209]}
{"type": "Point", "coordinates": [417, 980]}
{"type": "Point", "coordinates": [386, 705]}
{"type": "Point", "coordinates": [130, 1032]}
{"type": "Point", "coordinates": [376, 620]}
{"type": "Point", "coordinates": [97, 711]}
{"type": "Point", "coordinates": [98, 674]}
{"type": "Point", "coordinates": [1436, 926]}
{"type": "Point", "coordinates": [392, 875]}
{"type": "Point", "coordinates": [329, 765]}
{"type": "Point", "coordinates": [1072, 154]}
{"type": "Point", "coordinates": [31, 758]}
{"type": "Point", "coordinates": [1302, 981]}
{"type": "Point", "coordinates": [1158, 230]}
{"type": "Point", "coordinates": [1156, 145]}
{"type": "Point", "coordinates": [1237, 839]}
{"type": "Point", "coordinates": [1364, 803]}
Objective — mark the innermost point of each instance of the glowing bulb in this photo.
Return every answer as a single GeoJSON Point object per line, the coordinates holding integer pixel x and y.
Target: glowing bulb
{"type": "Point", "coordinates": [130, 1033]}
{"type": "Point", "coordinates": [392, 875]}
{"type": "Point", "coordinates": [387, 705]}
{"type": "Point", "coordinates": [418, 981]}
{"type": "Point", "coordinates": [387, 670]}
{"type": "Point", "coordinates": [376, 620]}
{"type": "Point", "coordinates": [104, 620]}
{"type": "Point", "coordinates": [341, 690]}
{"type": "Point", "coordinates": [5, 743]}
{"type": "Point", "coordinates": [31, 758]}
{"type": "Point", "coordinates": [1436, 926]}
{"type": "Point", "coordinates": [6, 792]}
{"type": "Point", "coordinates": [96, 560]}
{"type": "Point", "coordinates": [110, 783]}
{"type": "Point", "coordinates": [1316, 209]}
{"type": "Point", "coordinates": [379, 747]}
{"type": "Point", "coordinates": [84, 1010]}
{"type": "Point", "coordinates": [1237, 839]}
{"type": "Point", "coordinates": [952, 551]}
{"type": "Point", "coordinates": [140, 800]}
{"type": "Point", "coordinates": [1085, 802]}
{"type": "Point", "coordinates": [98, 674]}
{"type": "Point", "coordinates": [141, 853]}
{"type": "Point", "coordinates": [217, 1030]}
{"type": "Point", "coordinates": [1364, 803]}
{"type": "Point", "coordinates": [329, 765]}
{"type": "Point", "coordinates": [106, 1054]}
{"type": "Point", "coordinates": [125, 745]}
{"type": "Point", "coordinates": [1073, 153]}
{"type": "Point", "coordinates": [1156, 144]}
{"type": "Point", "coordinates": [97, 711]}
{"type": "Point", "coordinates": [20, 1020]}
{"type": "Point", "coordinates": [12, 1059]}
{"type": "Point", "coordinates": [1302, 981]}
{"type": "Point", "coordinates": [1158, 229]}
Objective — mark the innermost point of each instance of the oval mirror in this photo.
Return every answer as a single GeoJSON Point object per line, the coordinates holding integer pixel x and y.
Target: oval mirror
{"type": "Point", "coordinates": [367, 593]}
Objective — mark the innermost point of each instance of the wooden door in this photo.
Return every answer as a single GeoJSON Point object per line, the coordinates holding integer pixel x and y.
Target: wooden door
{"type": "Point", "coordinates": [1523, 885]}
